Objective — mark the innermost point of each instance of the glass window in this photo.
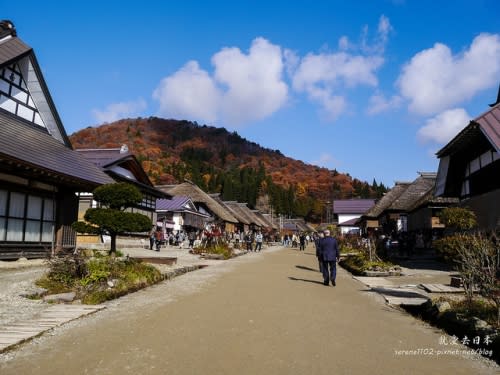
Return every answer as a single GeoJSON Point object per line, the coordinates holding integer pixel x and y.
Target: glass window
{"type": "Point", "coordinates": [47, 232]}
{"type": "Point", "coordinates": [25, 112]}
{"type": "Point", "coordinates": [3, 202]}
{"type": "Point", "coordinates": [19, 95]}
{"type": "Point", "coordinates": [32, 233]}
{"type": "Point", "coordinates": [474, 165]}
{"type": "Point", "coordinates": [15, 230]}
{"type": "Point", "coordinates": [4, 86]}
{"type": "Point", "coordinates": [2, 229]}
{"type": "Point", "coordinates": [486, 158]}
{"type": "Point", "coordinates": [16, 206]}
{"type": "Point", "coordinates": [465, 188]}
{"type": "Point", "coordinates": [34, 207]}
{"type": "Point", "coordinates": [8, 104]}
{"type": "Point", "coordinates": [48, 209]}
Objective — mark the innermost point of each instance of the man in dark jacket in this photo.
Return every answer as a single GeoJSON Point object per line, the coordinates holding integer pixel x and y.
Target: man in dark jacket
{"type": "Point", "coordinates": [329, 252]}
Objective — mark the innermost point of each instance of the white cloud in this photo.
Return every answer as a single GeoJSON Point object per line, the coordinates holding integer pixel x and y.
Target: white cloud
{"type": "Point", "coordinates": [443, 127]}
{"type": "Point", "coordinates": [435, 79]}
{"type": "Point", "coordinates": [116, 111]}
{"type": "Point", "coordinates": [344, 43]}
{"type": "Point", "coordinates": [379, 103]}
{"type": "Point", "coordinates": [255, 88]}
{"type": "Point", "coordinates": [325, 77]}
{"type": "Point", "coordinates": [190, 93]}
{"type": "Point", "coordinates": [326, 160]}
{"type": "Point", "coordinates": [244, 87]}
{"type": "Point", "coordinates": [377, 46]}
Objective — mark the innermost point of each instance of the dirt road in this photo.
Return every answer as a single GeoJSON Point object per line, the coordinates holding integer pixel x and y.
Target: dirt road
{"type": "Point", "coordinates": [265, 313]}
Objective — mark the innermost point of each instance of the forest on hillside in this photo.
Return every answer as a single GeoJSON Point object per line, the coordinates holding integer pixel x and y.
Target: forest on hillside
{"type": "Point", "coordinates": [219, 161]}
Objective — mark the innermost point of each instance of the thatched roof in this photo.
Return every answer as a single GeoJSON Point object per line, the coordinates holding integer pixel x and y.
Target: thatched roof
{"type": "Point", "coordinates": [265, 220]}
{"type": "Point", "coordinates": [428, 199]}
{"type": "Point", "coordinates": [386, 201]}
{"type": "Point", "coordinates": [199, 196]}
{"type": "Point", "coordinates": [297, 224]}
{"type": "Point", "coordinates": [240, 210]}
{"type": "Point", "coordinates": [414, 192]}
{"type": "Point", "coordinates": [269, 219]}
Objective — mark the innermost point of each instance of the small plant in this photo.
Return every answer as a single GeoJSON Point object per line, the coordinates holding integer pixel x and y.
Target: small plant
{"type": "Point", "coordinates": [220, 248]}
{"type": "Point", "coordinates": [97, 278]}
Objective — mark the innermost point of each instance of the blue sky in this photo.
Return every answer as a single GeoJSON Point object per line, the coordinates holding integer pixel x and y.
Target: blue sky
{"type": "Point", "coordinates": [370, 88]}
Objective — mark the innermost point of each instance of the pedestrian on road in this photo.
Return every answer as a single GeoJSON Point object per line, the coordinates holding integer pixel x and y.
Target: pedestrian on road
{"type": "Point", "coordinates": [302, 242]}
{"type": "Point", "coordinates": [248, 241]}
{"type": "Point", "coordinates": [158, 238]}
{"type": "Point", "coordinates": [317, 242]}
{"type": "Point", "coordinates": [329, 252]}
{"type": "Point", "coordinates": [258, 241]}
{"type": "Point", "coordinates": [152, 238]}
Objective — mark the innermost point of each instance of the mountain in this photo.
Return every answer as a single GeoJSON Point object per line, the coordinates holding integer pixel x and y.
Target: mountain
{"type": "Point", "coordinates": [221, 161]}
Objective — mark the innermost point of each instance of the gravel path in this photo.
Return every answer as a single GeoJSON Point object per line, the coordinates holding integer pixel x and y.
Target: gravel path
{"type": "Point", "coordinates": [14, 282]}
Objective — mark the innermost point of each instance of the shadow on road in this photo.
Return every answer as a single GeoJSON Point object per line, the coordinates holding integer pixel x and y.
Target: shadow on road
{"type": "Point", "coordinates": [306, 268]}
{"type": "Point", "coordinates": [306, 280]}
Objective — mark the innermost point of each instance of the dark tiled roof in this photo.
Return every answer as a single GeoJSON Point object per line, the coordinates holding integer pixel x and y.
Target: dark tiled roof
{"type": "Point", "coordinates": [12, 49]}
{"type": "Point", "coordinates": [387, 199]}
{"type": "Point", "coordinates": [414, 192]}
{"type": "Point", "coordinates": [352, 206]}
{"type": "Point", "coordinates": [175, 204]}
{"type": "Point", "coordinates": [102, 156]}
{"type": "Point", "coordinates": [23, 143]}
{"type": "Point", "coordinates": [490, 126]}
{"type": "Point", "coordinates": [487, 125]}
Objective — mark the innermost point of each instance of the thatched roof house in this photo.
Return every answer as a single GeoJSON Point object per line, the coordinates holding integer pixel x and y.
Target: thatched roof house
{"type": "Point", "coordinates": [203, 202]}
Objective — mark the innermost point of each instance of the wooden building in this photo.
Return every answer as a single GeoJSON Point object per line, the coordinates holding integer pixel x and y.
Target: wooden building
{"type": "Point", "coordinates": [204, 203]}
{"type": "Point", "coordinates": [121, 166]}
{"type": "Point", "coordinates": [469, 168]}
{"type": "Point", "coordinates": [40, 173]}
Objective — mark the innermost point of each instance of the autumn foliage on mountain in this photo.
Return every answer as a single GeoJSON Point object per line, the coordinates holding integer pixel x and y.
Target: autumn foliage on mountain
{"type": "Point", "coordinates": [221, 161]}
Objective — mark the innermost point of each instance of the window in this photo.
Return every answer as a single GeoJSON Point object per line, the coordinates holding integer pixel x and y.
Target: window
{"type": "Point", "coordinates": [15, 96]}
{"type": "Point", "coordinates": [26, 217]}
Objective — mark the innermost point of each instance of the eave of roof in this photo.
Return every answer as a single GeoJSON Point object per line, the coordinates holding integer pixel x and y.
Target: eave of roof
{"type": "Point", "coordinates": [24, 143]}
{"type": "Point", "coordinates": [488, 123]}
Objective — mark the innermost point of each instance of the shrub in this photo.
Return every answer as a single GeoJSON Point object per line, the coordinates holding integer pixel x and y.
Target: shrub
{"type": "Point", "coordinates": [360, 263]}
{"type": "Point", "coordinates": [89, 277]}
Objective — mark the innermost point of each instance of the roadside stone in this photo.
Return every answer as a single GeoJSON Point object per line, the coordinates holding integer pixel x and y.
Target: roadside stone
{"type": "Point", "coordinates": [441, 307]}
{"type": "Point", "coordinates": [34, 293]}
{"type": "Point", "coordinates": [61, 297]}
{"type": "Point", "coordinates": [479, 324]}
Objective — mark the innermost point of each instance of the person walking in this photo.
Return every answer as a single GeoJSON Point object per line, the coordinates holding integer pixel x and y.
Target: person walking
{"type": "Point", "coordinates": [302, 242]}
{"type": "Point", "coordinates": [258, 241]}
{"type": "Point", "coordinates": [152, 238]}
{"type": "Point", "coordinates": [248, 241]}
{"type": "Point", "coordinates": [158, 238]}
{"type": "Point", "coordinates": [317, 242]}
{"type": "Point", "coordinates": [329, 252]}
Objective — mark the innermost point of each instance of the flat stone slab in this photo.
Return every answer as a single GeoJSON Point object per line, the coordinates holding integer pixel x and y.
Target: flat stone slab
{"type": "Point", "coordinates": [442, 288]}
{"type": "Point", "coordinates": [402, 296]}
{"type": "Point", "coordinates": [373, 281]}
{"type": "Point", "coordinates": [53, 316]}
{"type": "Point", "coordinates": [157, 260]}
